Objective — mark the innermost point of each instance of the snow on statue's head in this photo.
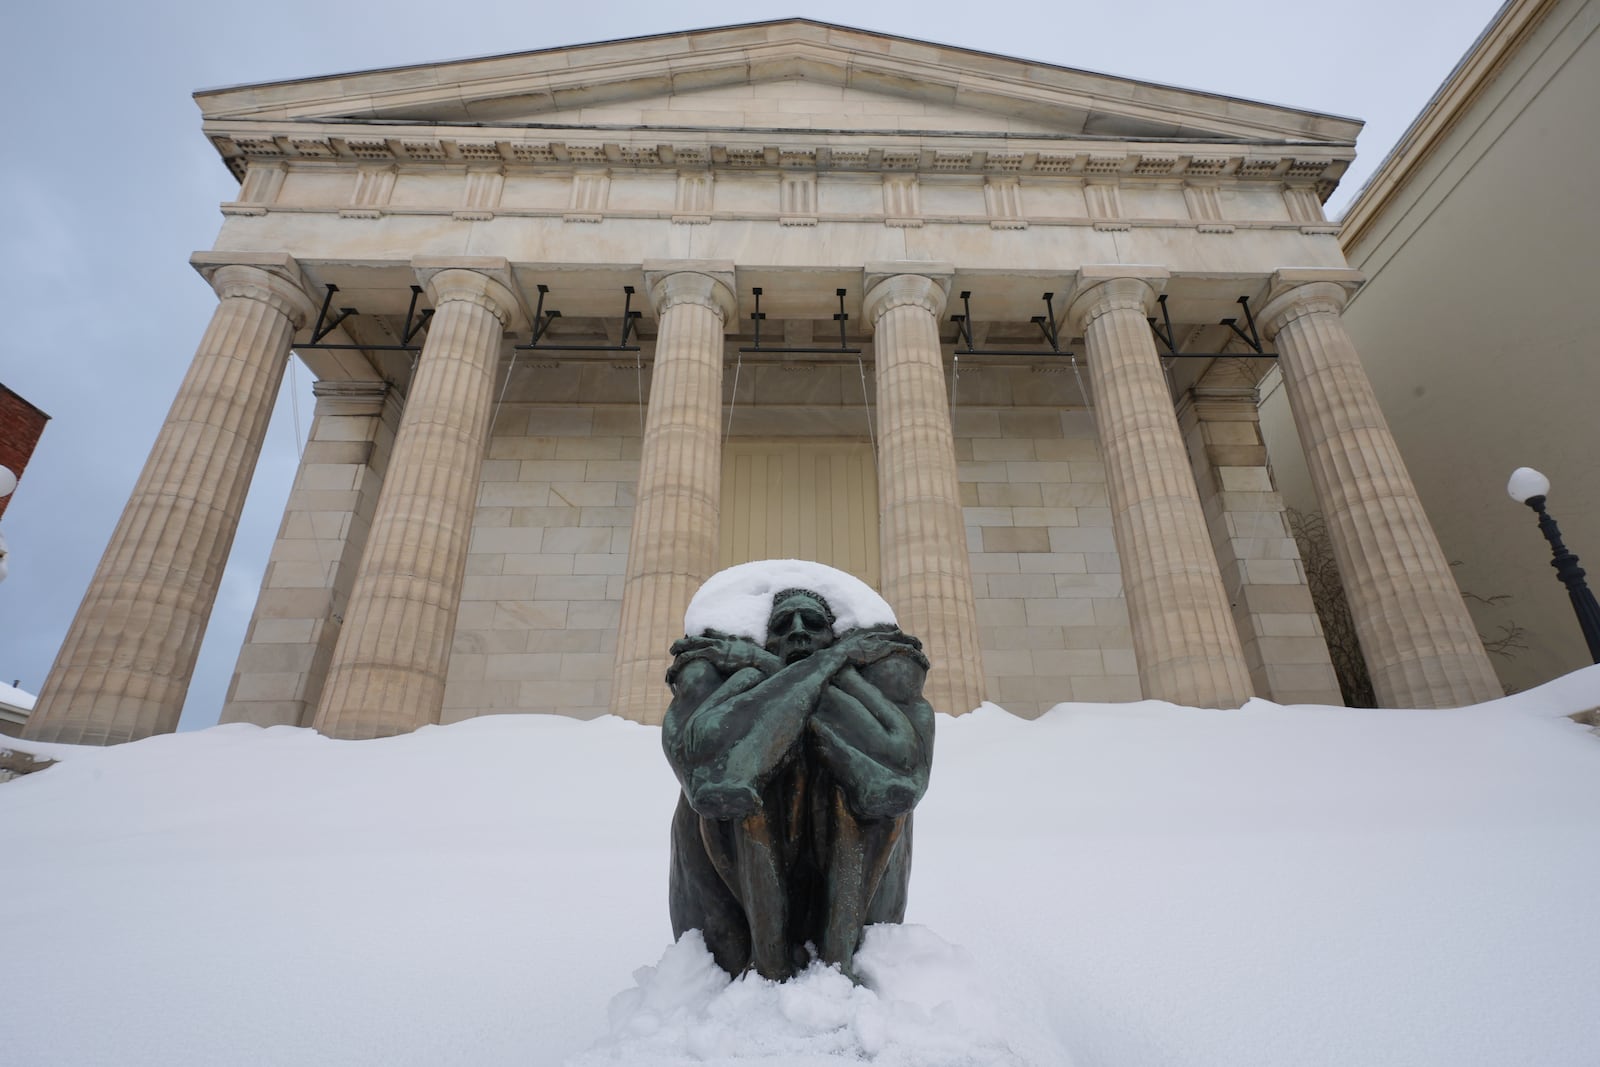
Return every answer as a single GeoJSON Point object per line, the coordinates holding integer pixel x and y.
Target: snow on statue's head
{"type": "Point", "coordinates": [739, 600]}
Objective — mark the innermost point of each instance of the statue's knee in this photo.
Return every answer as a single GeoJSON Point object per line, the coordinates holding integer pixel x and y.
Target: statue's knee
{"type": "Point", "coordinates": [888, 803]}
{"type": "Point", "coordinates": [725, 801]}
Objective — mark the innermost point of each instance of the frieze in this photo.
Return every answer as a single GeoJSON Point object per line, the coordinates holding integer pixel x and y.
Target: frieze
{"type": "Point", "coordinates": [914, 188]}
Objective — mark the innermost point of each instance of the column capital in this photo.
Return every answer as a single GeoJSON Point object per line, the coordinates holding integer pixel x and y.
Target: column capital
{"type": "Point", "coordinates": [1219, 404]}
{"type": "Point", "coordinates": [345, 397]}
{"type": "Point", "coordinates": [892, 285]}
{"type": "Point", "coordinates": [1103, 288]}
{"type": "Point", "coordinates": [1296, 291]}
{"type": "Point", "coordinates": [351, 389]}
{"type": "Point", "coordinates": [274, 278]}
{"type": "Point", "coordinates": [482, 280]}
{"type": "Point", "coordinates": [707, 282]}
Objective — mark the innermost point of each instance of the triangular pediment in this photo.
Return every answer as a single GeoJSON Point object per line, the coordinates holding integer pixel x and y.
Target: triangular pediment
{"type": "Point", "coordinates": [793, 73]}
{"type": "Point", "coordinates": [786, 104]}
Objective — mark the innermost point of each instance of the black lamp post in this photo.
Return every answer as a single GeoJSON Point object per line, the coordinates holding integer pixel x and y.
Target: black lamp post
{"type": "Point", "coordinates": [1528, 486]}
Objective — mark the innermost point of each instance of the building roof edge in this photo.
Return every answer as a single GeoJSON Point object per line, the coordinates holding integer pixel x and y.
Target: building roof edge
{"type": "Point", "coordinates": [1506, 33]}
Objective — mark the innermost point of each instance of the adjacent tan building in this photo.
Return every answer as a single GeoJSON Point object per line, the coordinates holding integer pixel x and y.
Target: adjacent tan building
{"type": "Point", "coordinates": [952, 389]}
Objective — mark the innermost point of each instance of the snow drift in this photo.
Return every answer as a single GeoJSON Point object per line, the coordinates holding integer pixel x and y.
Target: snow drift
{"type": "Point", "coordinates": [1120, 885]}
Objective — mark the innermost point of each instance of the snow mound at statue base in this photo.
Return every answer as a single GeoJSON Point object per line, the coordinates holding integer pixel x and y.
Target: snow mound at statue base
{"type": "Point", "coordinates": [925, 1003]}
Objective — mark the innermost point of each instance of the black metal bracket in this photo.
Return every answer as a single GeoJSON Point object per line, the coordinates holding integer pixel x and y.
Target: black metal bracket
{"type": "Point", "coordinates": [1045, 322]}
{"type": "Point", "coordinates": [414, 323]}
{"type": "Point", "coordinates": [1165, 335]}
{"type": "Point", "coordinates": [543, 319]}
{"type": "Point", "coordinates": [758, 317]}
{"type": "Point", "coordinates": [1253, 339]}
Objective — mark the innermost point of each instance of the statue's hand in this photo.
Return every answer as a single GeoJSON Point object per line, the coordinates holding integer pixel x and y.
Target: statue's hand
{"type": "Point", "coordinates": [728, 653]}
{"type": "Point", "coordinates": [863, 647]}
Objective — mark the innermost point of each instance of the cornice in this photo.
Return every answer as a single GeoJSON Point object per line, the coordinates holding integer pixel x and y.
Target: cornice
{"type": "Point", "coordinates": [241, 142]}
{"type": "Point", "coordinates": [1465, 85]}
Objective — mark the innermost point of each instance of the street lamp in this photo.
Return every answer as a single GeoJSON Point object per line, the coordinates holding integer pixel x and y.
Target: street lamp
{"type": "Point", "coordinates": [1528, 486]}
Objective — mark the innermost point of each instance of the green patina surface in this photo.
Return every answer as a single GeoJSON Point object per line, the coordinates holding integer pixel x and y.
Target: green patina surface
{"type": "Point", "coordinates": [800, 763]}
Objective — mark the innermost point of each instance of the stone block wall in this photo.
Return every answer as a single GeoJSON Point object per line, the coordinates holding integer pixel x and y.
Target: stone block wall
{"type": "Point", "coordinates": [1053, 625]}
{"type": "Point", "coordinates": [312, 568]}
{"type": "Point", "coordinates": [541, 599]}
{"type": "Point", "coordinates": [1259, 561]}
{"type": "Point", "coordinates": [1052, 621]}
{"type": "Point", "coordinates": [543, 593]}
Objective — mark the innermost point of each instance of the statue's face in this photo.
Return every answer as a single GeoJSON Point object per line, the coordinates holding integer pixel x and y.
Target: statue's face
{"type": "Point", "coordinates": [797, 628]}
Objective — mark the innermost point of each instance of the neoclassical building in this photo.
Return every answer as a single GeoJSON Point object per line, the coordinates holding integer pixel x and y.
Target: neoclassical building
{"type": "Point", "coordinates": [590, 323]}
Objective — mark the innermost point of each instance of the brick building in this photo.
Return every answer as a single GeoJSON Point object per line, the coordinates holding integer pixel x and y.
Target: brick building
{"type": "Point", "coordinates": [21, 425]}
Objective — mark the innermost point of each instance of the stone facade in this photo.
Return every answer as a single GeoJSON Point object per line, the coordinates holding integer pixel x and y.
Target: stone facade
{"type": "Point", "coordinates": [954, 256]}
{"type": "Point", "coordinates": [542, 597]}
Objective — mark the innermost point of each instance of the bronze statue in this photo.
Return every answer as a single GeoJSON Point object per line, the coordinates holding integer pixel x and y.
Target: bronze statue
{"type": "Point", "coordinates": [800, 763]}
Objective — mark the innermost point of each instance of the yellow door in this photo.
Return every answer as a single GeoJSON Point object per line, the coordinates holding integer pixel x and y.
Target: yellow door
{"type": "Point", "coordinates": [801, 499]}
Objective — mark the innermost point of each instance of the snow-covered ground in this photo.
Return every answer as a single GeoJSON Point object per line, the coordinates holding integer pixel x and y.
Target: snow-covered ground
{"type": "Point", "coordinates": [1119, 885]}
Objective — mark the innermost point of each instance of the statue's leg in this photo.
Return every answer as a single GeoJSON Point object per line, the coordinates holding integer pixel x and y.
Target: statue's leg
{"type": "Point", "coordinates": [766, 897]}
{"type": "Point", "coordinates": [858, 854]}
{"type": "Point", "coordinates": [888, 904]}
{"type": "Point", "coordinates": [748, 864]}
{"type": "Point", "coordinates": [698, 898]}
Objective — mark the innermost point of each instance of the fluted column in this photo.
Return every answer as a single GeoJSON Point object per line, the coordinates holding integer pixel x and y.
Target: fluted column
{"type": "Point", "coordinates": [388, 668]}
{"type": "Point", "coordinates": [673, 546]}
{"type": "Point", "coordinates": [1420, 644]}
{"type": "Point", "coordinates": [1184, 639]}
{"type": "Point", "coordinates": [124, 669]}
{"type": "Point", "coordinates": [926, 573]}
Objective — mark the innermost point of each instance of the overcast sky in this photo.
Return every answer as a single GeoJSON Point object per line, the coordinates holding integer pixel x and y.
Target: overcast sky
{"type": "Point", "coordinates": [108, 186]}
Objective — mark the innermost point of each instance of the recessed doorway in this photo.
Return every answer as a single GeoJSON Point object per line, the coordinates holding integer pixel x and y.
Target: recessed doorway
{"type": "Point", "coordinates": [801, 499]}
